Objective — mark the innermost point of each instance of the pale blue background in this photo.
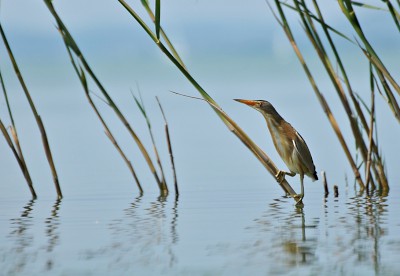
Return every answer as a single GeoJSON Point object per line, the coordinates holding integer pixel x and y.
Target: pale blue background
{"type": "Point", "coordinates": [230, 217]}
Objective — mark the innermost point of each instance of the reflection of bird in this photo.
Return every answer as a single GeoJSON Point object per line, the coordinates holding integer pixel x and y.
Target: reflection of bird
{"type": "Point", "coordinates": [290, 145]}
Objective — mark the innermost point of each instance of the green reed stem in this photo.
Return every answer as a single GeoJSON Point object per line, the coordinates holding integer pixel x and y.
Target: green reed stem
{"type": "Point", "coordinates": [348, 11]}
{"type": "Point", "coordinates": [71, 44]}
{"type": "Point", "coordinates": [260, 155]}
{"type": "Point", "coordinates": [143, 111]}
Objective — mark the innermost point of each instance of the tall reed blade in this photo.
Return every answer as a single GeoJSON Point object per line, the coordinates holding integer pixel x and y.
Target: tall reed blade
{"type": "Point", "coordinates": [335, 79]}
{"type": "Point", "coordinates": [348, 11]}
{"type": "Point", "coordinates": [324, 104]}
{"type": "Point", "coordinates": [364, 147]}
{"type": "Point", "coordinates": [35, 113]}
{"type": "Point", "coordinates": [360, 114]}
{"type": "Point", "coordinates": [261, 156]}
{"type": "Point", "coordinates": [71, 44]}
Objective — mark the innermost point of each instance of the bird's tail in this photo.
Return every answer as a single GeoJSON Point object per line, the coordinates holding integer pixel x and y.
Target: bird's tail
{"type": "Point", "coordinates": [315, 176]}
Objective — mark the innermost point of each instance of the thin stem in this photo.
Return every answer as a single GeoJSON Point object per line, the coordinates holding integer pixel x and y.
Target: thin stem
{"type": "Point", "coordinates": [171, 155]}
{"type": "Point", "coordinates": [35, 113]}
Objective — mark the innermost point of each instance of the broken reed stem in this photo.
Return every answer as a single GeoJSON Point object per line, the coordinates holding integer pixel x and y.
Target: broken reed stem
{"type": "Point", "coordinates": [35, 113]}
{"type": "Point", "coordinates": [285, 26]}
{"type": "Point", "coordinates": [171, 155]}
{"type": "Point", "coordinates": [325, 181]}
{"type": "Point", "coordinates": [336, 190]}
{"type": "Point", "coordinates": [71, 44]}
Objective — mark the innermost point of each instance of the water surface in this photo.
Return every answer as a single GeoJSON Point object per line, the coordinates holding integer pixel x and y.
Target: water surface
{"type": "Point", "coordinates": [204, 233]}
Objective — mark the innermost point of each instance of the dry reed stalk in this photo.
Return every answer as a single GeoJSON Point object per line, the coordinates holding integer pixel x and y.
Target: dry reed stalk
{"type": "Point", "coordinates": [360, 115]}
{"type": "Point", "coordinates": [325, 181]}
{"type": "Point", "coordinates": [325, 106]}
{"type": "Point", "coordinates": [307, 19]}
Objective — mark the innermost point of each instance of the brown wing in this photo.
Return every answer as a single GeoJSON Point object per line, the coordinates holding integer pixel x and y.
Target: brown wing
{"type": "Point", "coordinates": [305, 156]}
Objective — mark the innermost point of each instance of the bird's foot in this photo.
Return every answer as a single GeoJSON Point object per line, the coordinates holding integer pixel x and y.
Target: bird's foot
{"type": "Point", "coordinates": [280, 176]}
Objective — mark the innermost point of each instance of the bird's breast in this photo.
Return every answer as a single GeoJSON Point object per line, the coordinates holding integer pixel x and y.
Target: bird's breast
{"type": "Point", "coordinates": [282, 139]}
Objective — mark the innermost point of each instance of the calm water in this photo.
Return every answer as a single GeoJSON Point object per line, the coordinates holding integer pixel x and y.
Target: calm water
{"type": "Point", "coordinates": [204, 233]}
{"type": "Point", "coordinates": [231, 218]}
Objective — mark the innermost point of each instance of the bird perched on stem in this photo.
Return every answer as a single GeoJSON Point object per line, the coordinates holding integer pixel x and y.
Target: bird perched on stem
{"type": "Point", "coordinates": [288, 142]}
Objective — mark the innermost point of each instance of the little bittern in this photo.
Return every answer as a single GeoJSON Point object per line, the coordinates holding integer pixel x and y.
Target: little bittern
{"type": "Point", "coordinates": [288, 142]}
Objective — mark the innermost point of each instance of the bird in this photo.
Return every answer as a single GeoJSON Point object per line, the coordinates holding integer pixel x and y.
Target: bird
{"type": "Point", "coordinates": [289, 144]}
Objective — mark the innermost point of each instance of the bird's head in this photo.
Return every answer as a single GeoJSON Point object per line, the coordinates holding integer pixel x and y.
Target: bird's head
{"type": "Point", "coordinates": [262, 106]}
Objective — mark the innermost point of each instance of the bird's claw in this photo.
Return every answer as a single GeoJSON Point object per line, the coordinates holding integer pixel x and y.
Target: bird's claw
{"type": "Point", "coordinates": [280, 176]}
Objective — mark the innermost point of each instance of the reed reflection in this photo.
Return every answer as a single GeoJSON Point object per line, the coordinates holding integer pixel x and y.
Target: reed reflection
{"type": "Point", "coordinates": [22, 238]}
{"type": "Point", "coordinates": [52, 231]}
{"type": "Point", "coordinates": [145, 236]}
{"type": "Point", "coordinates": [20, 227]}
{"type": "Point", "coordinates": [368, 224]}
{"type": "Point", "coordinates": [349, 240]}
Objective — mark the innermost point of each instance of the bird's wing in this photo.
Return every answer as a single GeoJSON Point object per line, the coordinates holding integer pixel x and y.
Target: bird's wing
{"type": "Point", "coordinates": [304, 153]}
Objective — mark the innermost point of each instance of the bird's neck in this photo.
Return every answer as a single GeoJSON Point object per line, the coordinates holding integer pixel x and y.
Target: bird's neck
{"type": "Point", "coordinates": [273, 117]}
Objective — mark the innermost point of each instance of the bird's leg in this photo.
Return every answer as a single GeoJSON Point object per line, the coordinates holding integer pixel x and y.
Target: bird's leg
{"type": "Point", "coordinates": [280, 176]}
{"type": "Point", "coordinates": [299, 197]}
